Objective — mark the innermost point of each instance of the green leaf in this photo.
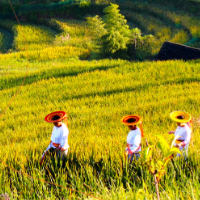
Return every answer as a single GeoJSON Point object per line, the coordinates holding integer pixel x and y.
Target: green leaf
{"type": "Point", "coordinates": [166, 162]}
{"type": "Point", "coordinates": [163, 143]}
{"type": "Point", "coordinates": [172, 151]}
{"type": "Point", "coordinates": [96, 27]}
{"type": "Point", "coordinates": [145, 154]}
{"type": "Point", "coordinates": [117, 30]}
{"type": "Point", "coordinates": [160, 163]}
{"type": "Point", "coordinates": [160, 146]}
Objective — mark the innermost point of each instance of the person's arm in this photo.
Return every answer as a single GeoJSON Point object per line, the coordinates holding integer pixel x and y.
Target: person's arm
{"type": "Point", "coordinates": [171, 132]}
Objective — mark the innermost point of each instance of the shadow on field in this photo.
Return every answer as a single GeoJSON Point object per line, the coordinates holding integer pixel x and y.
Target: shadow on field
{"type": "Point", "coordinates": [83, 172]}
{"type": "Point", "coordinates": [7, 40]}
{"type": "Point", "coordinates": [87, 174]}
{"type": "Point", "coordinates": [58, 73]}
{"type": "Point", "coordinates": [80, 170]}
{"type": "Point", "coordinates": [130, 89]}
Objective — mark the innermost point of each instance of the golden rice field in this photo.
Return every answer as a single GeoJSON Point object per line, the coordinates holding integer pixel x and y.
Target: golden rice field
{"type": "Point", "coordinates": [75, 33]}
{"type": "Point", "coordinates": [44, 43]}
{"type": "Point", "coordinates": [96, 95]}
{"type": "Point", "coordinates": [37, 37]}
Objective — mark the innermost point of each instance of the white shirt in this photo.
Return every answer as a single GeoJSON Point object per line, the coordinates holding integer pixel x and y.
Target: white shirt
{"type": "Point", "coordinates": [134, 140]}
{"type": "Point", "coordinates": [185, 134]}
{"type": "Point", "coordinates": [60, 136]}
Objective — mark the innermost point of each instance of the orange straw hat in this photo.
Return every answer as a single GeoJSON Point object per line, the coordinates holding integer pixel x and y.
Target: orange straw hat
{"type": "Point", "coordinates": [180, 116]}
{"type": "Point", "coordinates": [131, 120]}
{"type": "Point", "coordinates": [56, 116]}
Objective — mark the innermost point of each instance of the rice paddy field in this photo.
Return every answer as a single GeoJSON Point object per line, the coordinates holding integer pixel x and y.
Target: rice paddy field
{"type": "Point", "coordinates": [55, 61]}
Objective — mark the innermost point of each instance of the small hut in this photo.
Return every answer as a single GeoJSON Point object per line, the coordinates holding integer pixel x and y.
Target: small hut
{"type": "Point", "coordinates": [173, 51]}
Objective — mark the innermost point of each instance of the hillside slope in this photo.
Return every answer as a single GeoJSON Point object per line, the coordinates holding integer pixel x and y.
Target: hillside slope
{"type": "Point", "coordinates": [164, 21]}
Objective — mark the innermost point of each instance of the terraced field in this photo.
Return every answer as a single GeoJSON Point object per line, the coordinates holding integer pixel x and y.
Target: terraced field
{"type": "Point", "coordinates": [95, 94]}
{"type": "Point", "coordinates": [165, 23]}
{"type": "Point", "coordinates": [44, 43]}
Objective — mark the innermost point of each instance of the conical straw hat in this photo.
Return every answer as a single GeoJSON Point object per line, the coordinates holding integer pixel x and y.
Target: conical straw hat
{"type": "Point", "coordinates": [56, 116]}
{"type": "Point", "coordinates": [180, 116]}
{"type": "Point", "coordinates": [130, 120]}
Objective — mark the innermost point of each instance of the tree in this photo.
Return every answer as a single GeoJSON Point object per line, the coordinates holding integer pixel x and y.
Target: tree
{"type": "Point", "coordinates": [136, 36]}
{"type": "Point", "coordinates": [139, 46]}
{"type": "Point", "coordinates": [96, 28]}
{"type": "Point", "coordinates": [113, 36]}
{"type": "Point", "coordinates": [118, 32]}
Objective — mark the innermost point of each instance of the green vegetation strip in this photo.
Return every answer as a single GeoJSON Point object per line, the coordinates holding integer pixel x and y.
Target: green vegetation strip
{"type": "Point", "coordinates": [39, 7]}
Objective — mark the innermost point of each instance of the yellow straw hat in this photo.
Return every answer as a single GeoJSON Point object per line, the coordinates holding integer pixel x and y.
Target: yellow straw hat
{"type": "Point", "coordinates": [131, 120]}
{"type": "Point", "coordinates": [180, 116]}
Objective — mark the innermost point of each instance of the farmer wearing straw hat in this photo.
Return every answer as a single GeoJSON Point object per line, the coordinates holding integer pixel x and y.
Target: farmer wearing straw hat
{"type": "Point", "coordinates": [59, 136]}
{"type": "Point", "coordinates": [134, 136]}
{"type": "Point", "coordinates": [183, 131]}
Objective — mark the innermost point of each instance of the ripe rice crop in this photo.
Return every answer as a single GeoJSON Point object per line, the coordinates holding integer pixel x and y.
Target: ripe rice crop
{"type": "Point", "coordinates": [75, 33]}
{"type": "Point", "coordinates": [29, 36]}
{"type": "Point", "coordinates": [43, 43]}
{"type": "Point", "coordinates": [37, 37]}
{"type": "Point", "coordinates": [48, 54]}
{"type": "Point", "coordinates": [95, 95]}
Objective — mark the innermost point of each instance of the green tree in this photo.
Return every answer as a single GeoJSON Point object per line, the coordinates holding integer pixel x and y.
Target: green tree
{"type": "Point", "coordinates": [96, 28]}
{"type": "Point", "coordinates": [118, 32]}
{"type": "Point", "coordinates": [136, 35]}
{"type": "Point", "coordinates": [113, 36]}
{"type": "Point", "coordinates": [139, 46]}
